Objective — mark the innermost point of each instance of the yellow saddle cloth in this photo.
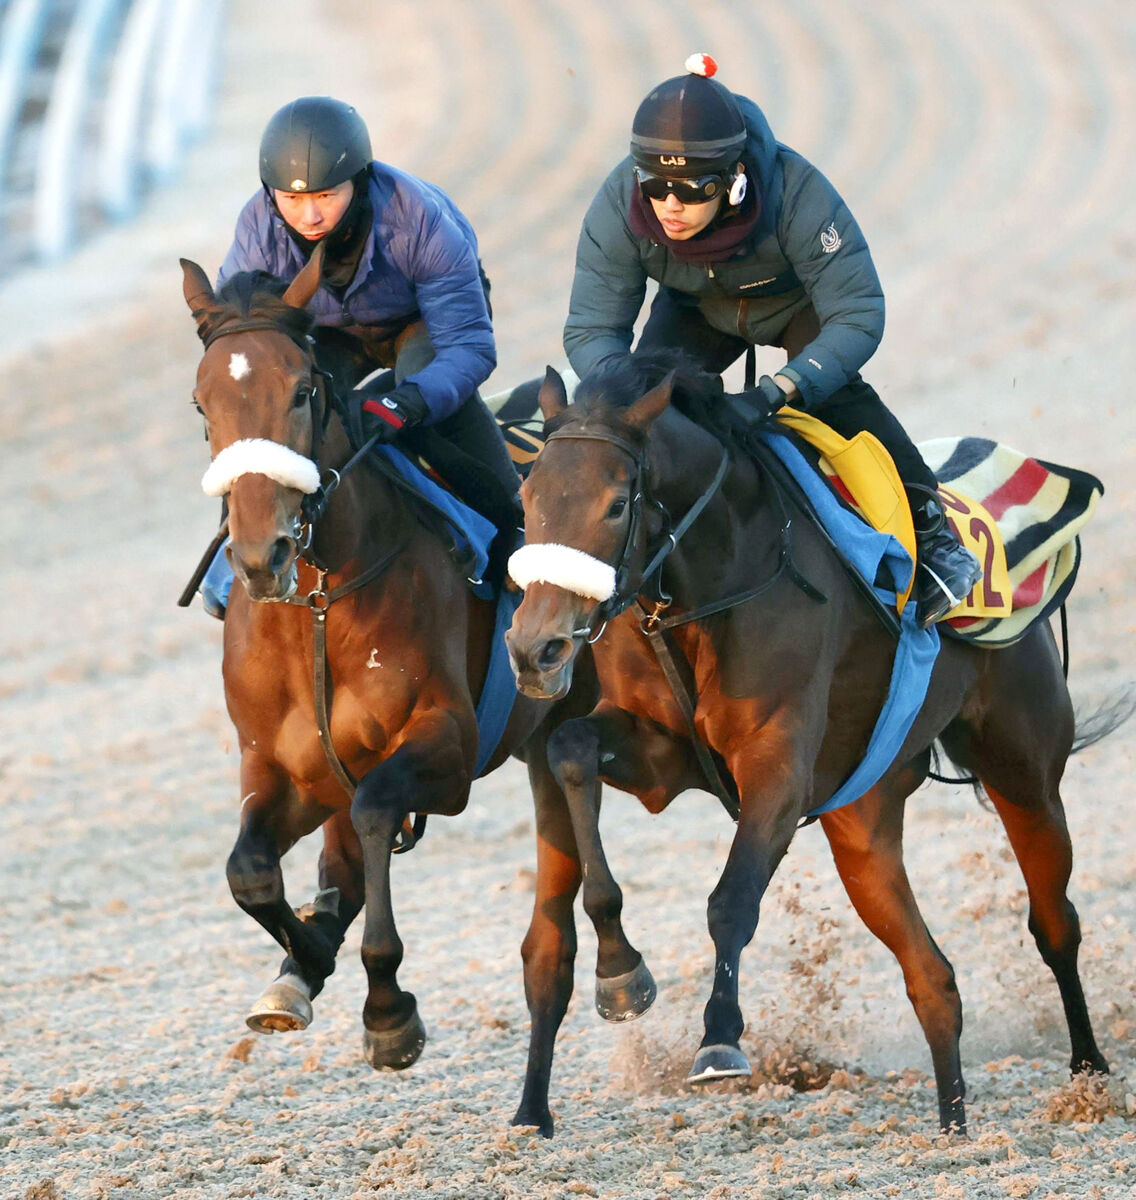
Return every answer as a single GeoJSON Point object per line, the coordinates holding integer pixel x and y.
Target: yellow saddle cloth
{"type": "Point", "coordinates": [863, 474]}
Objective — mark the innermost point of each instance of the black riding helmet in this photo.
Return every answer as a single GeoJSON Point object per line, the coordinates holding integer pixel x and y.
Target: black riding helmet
{"type": "Point", "coordinates": [689, 125]}
{"type": "Point", "coordinates": [313, 144]}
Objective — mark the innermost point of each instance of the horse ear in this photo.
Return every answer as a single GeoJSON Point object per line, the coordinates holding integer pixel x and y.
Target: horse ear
{"type": "Point", "coordinates": [553, 396]}
{"type": "Point", "coordinates": [304, 286]}
{"type": "Point", "coordinates": [195, 286]}
{"type": "Point", "coordinates": [643, 413]}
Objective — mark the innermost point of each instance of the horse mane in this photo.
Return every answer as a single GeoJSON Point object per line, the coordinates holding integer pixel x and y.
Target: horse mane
{"type": "Point", "coordinates": [252, 296]}
{"type": "Point", "coordinates": [697, 394]}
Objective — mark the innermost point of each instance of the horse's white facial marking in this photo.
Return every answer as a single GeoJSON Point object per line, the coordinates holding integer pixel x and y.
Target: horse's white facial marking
{"type": "Point", "coordinates": [373, 661]}
{"type": "Point", "coordinates": [239, 366]}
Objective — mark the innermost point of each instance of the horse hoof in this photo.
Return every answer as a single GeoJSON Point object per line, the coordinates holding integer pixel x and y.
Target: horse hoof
{"type": "Point", "coordinates": [395, 1048]}
{"type": "Point", "coordinates": [625, 997]}
{"type": "Point", "coordinates": [718, 1062]}
{"type": "Point", "coordinates": [284, 1007]}
{"type": "Point", "coordinates": [542, 1123]}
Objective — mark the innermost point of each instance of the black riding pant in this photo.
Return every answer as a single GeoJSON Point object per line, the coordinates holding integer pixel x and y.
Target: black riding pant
{"type": "Point", "coordinates": [677, 324]}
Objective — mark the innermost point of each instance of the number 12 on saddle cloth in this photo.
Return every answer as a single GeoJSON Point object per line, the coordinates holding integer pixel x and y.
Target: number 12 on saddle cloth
{"type": "Point", "coordinates": [863, 475]}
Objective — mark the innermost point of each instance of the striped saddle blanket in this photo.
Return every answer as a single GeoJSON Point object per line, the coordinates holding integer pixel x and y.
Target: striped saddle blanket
{"type": "Point", "coordinates": [1040, 509]}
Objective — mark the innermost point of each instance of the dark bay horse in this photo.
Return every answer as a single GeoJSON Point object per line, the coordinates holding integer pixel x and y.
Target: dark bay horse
{"type": "Point", "coordinates": [407, 646]}
{"type": "Point", "coordinates": [786, 694]}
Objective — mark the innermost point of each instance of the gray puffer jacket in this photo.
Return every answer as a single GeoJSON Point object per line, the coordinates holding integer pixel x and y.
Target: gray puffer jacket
{"type": "Point", "coordinates": [805, 249]}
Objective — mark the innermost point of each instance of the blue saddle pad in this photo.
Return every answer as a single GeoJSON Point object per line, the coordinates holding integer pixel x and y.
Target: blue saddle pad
{"type": "Point", "coordinates": [880, 559]}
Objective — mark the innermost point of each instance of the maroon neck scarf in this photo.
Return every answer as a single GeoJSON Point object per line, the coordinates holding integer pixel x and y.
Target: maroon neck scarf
{"type": "Point", "coordinates": [718, 241]}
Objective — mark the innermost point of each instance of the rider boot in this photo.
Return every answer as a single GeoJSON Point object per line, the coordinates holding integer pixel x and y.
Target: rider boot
{"type": "Point", "coordinates": [945, 569]}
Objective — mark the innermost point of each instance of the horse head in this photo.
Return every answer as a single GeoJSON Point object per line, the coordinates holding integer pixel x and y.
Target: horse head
{"type": "Point", "coordinates": [264, 407]}
{"type": "Point", "coordinates": [588, 522]}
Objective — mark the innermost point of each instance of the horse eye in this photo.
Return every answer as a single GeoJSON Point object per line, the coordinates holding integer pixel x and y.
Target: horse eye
{"type": "Point", "coordinates": [303, 395]}
{"type": "Point", "coordinates": [618, 507]}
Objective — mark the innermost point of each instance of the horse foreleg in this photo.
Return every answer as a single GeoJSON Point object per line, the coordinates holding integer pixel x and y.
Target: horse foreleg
{"type": "Point", "coordinates": [271, 822]}
{"type": "Point", "coordinates": [624, 986]}
{"type": "Point", "coordinates": [426, 773]}
{"type": "Point", "coordinates": [286, 1004]}
{"type": "Point", "coordinates": [549, 947]}
{"type": "Point", "coordinates": [762, 837]}
{"type": "Point", "coordinates": [393, 1033]}
{"type": "Point", "coordinates": [866, 841]}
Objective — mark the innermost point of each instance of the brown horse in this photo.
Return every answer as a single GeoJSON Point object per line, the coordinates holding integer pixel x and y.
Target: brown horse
{"type": "Point", "coordinates": [787, 690]}
{"type": "Point", "coordinates": [407, 645]}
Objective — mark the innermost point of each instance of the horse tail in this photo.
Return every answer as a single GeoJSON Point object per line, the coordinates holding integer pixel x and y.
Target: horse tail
{"type": "Point", "coordinates": [1105, 720]}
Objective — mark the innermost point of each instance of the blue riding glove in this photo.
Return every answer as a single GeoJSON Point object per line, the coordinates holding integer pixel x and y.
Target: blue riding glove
{"type": "Point", "coordinates": [388, 413]}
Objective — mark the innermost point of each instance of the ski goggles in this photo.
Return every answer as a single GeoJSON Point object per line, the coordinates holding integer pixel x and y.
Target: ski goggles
{"type": "Point", "coordinates": [701, 189]}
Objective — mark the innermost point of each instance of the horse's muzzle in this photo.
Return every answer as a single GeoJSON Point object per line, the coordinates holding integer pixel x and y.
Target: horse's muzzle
{"type": "Point", "coordinates": [269, 574]}
{"type": "Point", "coordinates": [543, 669]}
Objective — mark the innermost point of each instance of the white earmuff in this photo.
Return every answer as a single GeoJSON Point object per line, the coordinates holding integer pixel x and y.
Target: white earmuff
{"type": "Point", "coordinates": [738, 188]}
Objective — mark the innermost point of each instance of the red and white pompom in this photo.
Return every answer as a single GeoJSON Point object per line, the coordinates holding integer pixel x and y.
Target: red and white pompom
{"type": "Point", "coordinates": [701, 64]}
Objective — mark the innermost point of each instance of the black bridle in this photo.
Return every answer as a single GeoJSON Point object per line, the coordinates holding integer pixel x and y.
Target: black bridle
{"type": "Point", "coordinates": [322, 399]}
{"type": "Point", "coordinates": [629, 582]}
{"type": "Point", "coordinates": [631, 586]}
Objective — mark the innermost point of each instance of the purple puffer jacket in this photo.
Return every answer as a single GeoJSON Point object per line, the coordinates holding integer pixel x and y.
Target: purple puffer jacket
{"type": "Point", "coordinates": [420, 257]}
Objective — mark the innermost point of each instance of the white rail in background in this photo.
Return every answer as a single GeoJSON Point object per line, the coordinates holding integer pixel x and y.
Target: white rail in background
{"type": "Point", "coordinates": [56, 215]}
{"type": "Point", "coordinates": [21, 28]}
{"type": "Point", "coordinates": [132, 86]}
{"type": "Point", "coordinates": [119, 157]}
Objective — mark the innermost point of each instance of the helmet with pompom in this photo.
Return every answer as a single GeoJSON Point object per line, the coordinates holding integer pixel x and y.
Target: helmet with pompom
{"type": "Point", "coordinates": [313, 144]}
{"type": "Point", "coordinates": [688, 125]}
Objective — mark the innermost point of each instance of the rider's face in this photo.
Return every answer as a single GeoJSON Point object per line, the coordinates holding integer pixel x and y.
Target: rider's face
{"type": "Point", "coordinates": [682, 221]}
{"type": "Point", "coordinates": [314, 215]}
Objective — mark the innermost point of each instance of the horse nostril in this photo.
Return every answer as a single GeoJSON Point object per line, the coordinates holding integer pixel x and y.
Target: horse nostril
{"type": "Point", "coordinates": [281, 552]}
{"type": "Point", "coordinates": [553, 652]}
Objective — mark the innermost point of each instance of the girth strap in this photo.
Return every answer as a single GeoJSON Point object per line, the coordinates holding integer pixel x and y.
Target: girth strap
{"type": "Point", "coordinates": [319, 602]}
{"type": "Point", "coordinates": [657, 636]}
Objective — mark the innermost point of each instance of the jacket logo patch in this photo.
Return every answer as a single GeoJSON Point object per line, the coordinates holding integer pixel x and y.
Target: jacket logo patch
{"type": "Point", "coordinates": [672, 160]}
{"type": "Point", "coordinates": [830, 239]}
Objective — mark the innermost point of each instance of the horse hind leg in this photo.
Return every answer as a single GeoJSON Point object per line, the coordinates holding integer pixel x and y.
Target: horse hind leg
{"type": "Point", "coordinates": [625, 988]}
{"type": "Point", "coordinates": [286, 1004]}
{"type": "Point", "coordinates": [1040, 841]}
{"type": "Point", "coordinates": [1018, 751]}
{"type": "Point", "coordinates": [866, 842]}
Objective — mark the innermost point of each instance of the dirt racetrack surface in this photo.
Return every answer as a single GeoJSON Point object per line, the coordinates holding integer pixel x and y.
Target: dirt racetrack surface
{"type": "Point", "coordinates": [989, 153]}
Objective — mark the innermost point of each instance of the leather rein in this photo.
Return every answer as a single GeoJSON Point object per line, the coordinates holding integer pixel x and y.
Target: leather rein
{"type": "Point", "coordinates": [650, 609]}
{"type": "Point", "coordinates": [319, 599]}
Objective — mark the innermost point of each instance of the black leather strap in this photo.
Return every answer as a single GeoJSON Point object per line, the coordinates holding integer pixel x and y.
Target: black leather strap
{"type": "Point", "coordinates": [657, 636]}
